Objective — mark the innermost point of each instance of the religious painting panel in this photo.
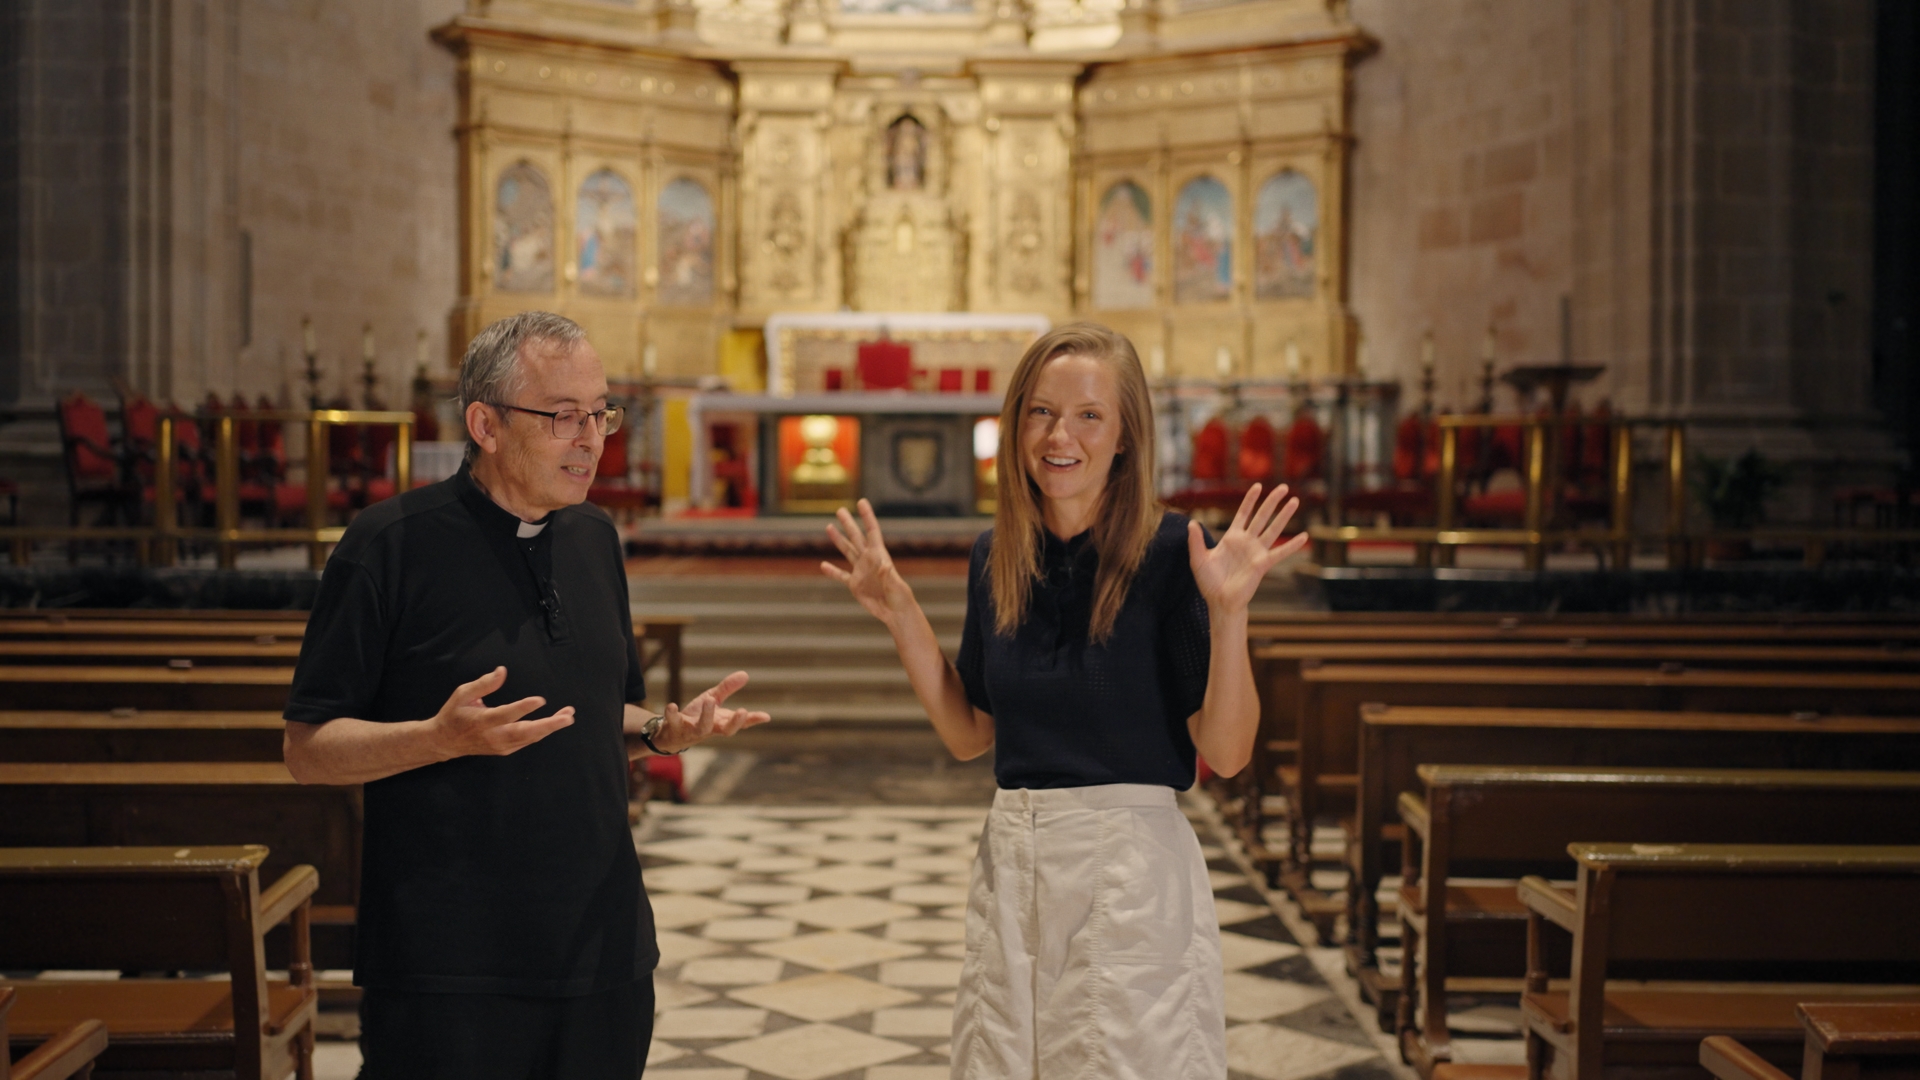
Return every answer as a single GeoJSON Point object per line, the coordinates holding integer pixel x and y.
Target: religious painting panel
{"type": "Point", "coordinates": [1123, 248]}
{"type": "Point", "coordinates": [1286, 232]}
{"type": "Point", "coordinates": [604, 236]}
{"type": "Point", "coordinates": [686, 244]}
{"type": "Point", "coordinates": [523, 230]}
{"type": "Point", "coordinates": [1203, 242]}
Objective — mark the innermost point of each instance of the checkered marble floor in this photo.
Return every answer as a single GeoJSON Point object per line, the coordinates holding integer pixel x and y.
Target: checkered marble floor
{"type": "Point", "coordinates": [824, 943]}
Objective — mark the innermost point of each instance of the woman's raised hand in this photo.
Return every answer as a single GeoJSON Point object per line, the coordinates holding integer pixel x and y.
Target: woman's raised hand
{"type": "Point", "coordinates": [1229, 572]}
{"type": "Point", "coordinates": [871, 576]}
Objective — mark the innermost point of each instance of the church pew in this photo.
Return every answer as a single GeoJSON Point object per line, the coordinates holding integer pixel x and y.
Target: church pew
{"type": "Point", "coordinates": [1400, 739]}
{"type": "Point", "coordinates": [1799, 630]}
{"type": "Point", "coordinates": [1325, 773]}
{"type": "Point", "coordinates": [1479, 822]}
{"type": "Point", "coordinates": [167, 909]}
{"type": "Point", "coordinates": [53, 736]}
{"type": "Point", "coordinates": [87, 687]}
{"type": "Point", "coordinates": [1718, 939]}
{"type": "Point", "coordinates": [66, 1054]}
{"type": "Point", "coordinates": [1845, 1041]}
{"type": "Point", "coordinates": [170, 652]}
{"type": "Point", "coordinates": [1278, 667]}
{"type": "Point", "coordinates": [197, 804]}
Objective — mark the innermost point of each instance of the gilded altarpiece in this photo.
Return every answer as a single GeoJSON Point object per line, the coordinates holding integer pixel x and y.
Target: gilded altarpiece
{"type": "Point", "coordinates": [1186, 185]}
{"type": "Point", "coordinates": [609, 133]}
{"type": "Point", "coordinates": [1233, 169]}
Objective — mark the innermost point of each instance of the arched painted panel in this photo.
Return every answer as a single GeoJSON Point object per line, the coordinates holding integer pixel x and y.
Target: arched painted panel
{"type": "Point", "coordinates": [604, 236]}
{"type": "Point", "coordinates": [1123, 249]}
{"type": "Point", "coordinates": [1203, 242]}
{"type": "Point", "coordinates": [1286, 235]}
{"type": "Point", "coordinates": [523, 231]}
{"type": "Point", "coordinates": [686, 244]}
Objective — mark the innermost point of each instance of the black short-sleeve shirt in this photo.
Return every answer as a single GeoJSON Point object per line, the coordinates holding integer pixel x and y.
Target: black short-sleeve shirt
{"type": "Point", "coordinates": [1071, 713]}
{"type": "Point", "coordinates": [497, 875]}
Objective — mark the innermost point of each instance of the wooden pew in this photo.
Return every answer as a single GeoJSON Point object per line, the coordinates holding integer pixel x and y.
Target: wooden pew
{"type": "Point", "coordinates": [169, 908]}
{"type": "Point", "coordinates": [1479, 822]}
{"type": "Point", "coordinates": [69, 1053]}
{"type": "Point", "coordinates": [1845, 1041]}
{"type": "Point", "coordinates": [87, 687]}
{"type": "Point", "coordinates": [1400, 739]}
{"type": "Point", "coordinates": [1278, 671]}
{"type": "Point", "coordinates": [1728, 938]}
{"type": "Point", "coordinates": [76, 736]}
{"type": "Point", "coordinates": [164, 651]}
{"type": "Point", "coordinates": [198, 804]}
{"type": "Point", "coordinates": [1324, 778]}
{"type": "Point", "coordinates": [1350, 628]}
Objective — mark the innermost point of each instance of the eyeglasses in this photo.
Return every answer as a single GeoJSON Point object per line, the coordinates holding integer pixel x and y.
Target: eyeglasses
{"type": "Point", "coordinates": [569, 423]}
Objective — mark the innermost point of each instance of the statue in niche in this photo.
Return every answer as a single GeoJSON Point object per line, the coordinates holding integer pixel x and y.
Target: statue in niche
{"type": "Point", "coordinates": [906, 154]}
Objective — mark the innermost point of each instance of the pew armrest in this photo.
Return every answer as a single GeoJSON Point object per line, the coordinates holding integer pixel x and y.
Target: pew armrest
{"type": "Point", "coordinates": [1555, 905]}
{"type": "Point", "coordinates": [283, 897]}
{"type": "Point", "coordinates": [1413, 812]}
{"type": "Point", "coordinates": [65, 1055]}
{"type": "Point", "coordinates": [1728, 1059]}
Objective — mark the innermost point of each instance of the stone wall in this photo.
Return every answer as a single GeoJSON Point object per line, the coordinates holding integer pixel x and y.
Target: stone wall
{"type": "Point", "coordinates": [348, 186]}
{"type": "Point", "coordinates": [1462, 186]}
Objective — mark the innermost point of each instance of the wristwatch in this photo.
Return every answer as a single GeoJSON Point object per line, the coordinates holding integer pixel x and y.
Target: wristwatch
{"type": "Point", "coordinates": [651, 728]}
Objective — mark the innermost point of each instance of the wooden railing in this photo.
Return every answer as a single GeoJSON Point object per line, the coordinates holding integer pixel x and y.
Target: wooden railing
{"type": "Point", "coordinates": [1542, 479]}
{"type": "Point", "coordinates": [159, 543]}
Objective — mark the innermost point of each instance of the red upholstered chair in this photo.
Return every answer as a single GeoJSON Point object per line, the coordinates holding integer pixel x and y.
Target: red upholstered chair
{"type": "Point", "coordinates": [613, 487]}
{"type": "Point", "coordinates": [1306, 450]}
{"type": "Point", "coordinates": [983, 380]}
{"type": "Point", "coordinates": [730, 465]}
{"type": "Point", "coordinates": [951, 379]}
{"type": "Point", "coordinates": [885, 365]}
{"type": "Point", "coordinates": [835, 379]}
{"type": "Point", "coordinates": [1256, 451]}
{"type": "Point", "coordinates": [95, 469]}
{"type": "Point", "coordinates": [1210, 451]}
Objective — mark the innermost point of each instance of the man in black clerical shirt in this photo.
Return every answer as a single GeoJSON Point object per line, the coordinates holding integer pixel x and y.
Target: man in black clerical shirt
{"type": "Point", "coordinates": [470, 660]}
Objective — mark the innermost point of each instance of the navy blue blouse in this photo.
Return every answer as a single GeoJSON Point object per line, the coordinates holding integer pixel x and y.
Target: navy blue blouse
{"type": "Point", "coordinates": [1071, 713]}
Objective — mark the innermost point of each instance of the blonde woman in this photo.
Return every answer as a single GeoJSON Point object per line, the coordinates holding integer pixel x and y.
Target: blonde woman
{"type": "Point", "coordinates": [1105, 643]}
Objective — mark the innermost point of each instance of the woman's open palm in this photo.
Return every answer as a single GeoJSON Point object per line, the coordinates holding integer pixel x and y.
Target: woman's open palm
{"type": "Point", "coordinates": [1229, 572]}
{"type": "Point", "coordinates": [871, 575]}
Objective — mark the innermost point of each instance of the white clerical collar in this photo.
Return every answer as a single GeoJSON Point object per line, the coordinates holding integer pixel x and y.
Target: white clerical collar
{"type": "Point", "coordinates": [528, 530]}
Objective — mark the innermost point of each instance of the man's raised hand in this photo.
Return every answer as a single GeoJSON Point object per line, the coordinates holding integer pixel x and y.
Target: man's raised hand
{"type": "Point", "coordinates": [467, 726]}
{"type": "Point", "coordinates": [705, 717]}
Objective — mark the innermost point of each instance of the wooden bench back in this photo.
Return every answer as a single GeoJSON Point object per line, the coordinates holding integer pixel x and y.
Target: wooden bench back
{"type": "Point", "coordinates": [1400, 739]}
{"type": "Point", "coordinates": [88, 687]}
{"type": "Point", "coordinates": [1728, 912]}
{"type": "Point", "coordinates": [164, 909]}
{"type": "Point", "coordinates": [1509, 821]}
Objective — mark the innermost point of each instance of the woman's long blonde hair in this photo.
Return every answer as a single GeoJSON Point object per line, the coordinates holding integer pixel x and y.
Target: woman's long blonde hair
{"type": "Point", "coordinates": [1129, 514]}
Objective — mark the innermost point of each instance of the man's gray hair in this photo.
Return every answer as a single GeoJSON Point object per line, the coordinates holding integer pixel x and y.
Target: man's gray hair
{"type": "Point", "coordinates": [490, 372]}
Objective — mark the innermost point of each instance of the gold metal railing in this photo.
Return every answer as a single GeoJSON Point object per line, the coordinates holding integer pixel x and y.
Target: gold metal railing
{"type": "Point", "coordinates": [1541, 474]}
{"type": "Point", "coordinates": [159, 542]}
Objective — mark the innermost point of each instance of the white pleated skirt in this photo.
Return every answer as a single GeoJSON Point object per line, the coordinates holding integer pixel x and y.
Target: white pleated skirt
{"type": "Point", "coordinates": [1093, 949]}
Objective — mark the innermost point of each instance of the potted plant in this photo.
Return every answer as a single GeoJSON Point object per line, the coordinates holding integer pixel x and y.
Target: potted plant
{"type": "Point", "coordinates": [1735, 494]}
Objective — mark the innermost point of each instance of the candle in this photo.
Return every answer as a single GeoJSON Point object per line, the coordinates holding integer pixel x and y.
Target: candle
{"type": "Point", "coordinates": [307, 337]}
{"type": "Point", "coordinates": [366, 343]}
{"type": "Point", "coordinates": [1293, 359]}
{"type": "Point", "coordinates": [1157, 361]}
{"type": "Point", "coordinates": [650, 359]}
{"type": "Point", "coordinates": [1223, 362]}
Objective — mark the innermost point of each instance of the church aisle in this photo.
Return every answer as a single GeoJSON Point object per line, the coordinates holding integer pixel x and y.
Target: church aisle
{"type": "Point", "coordinates": [818, 942]}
